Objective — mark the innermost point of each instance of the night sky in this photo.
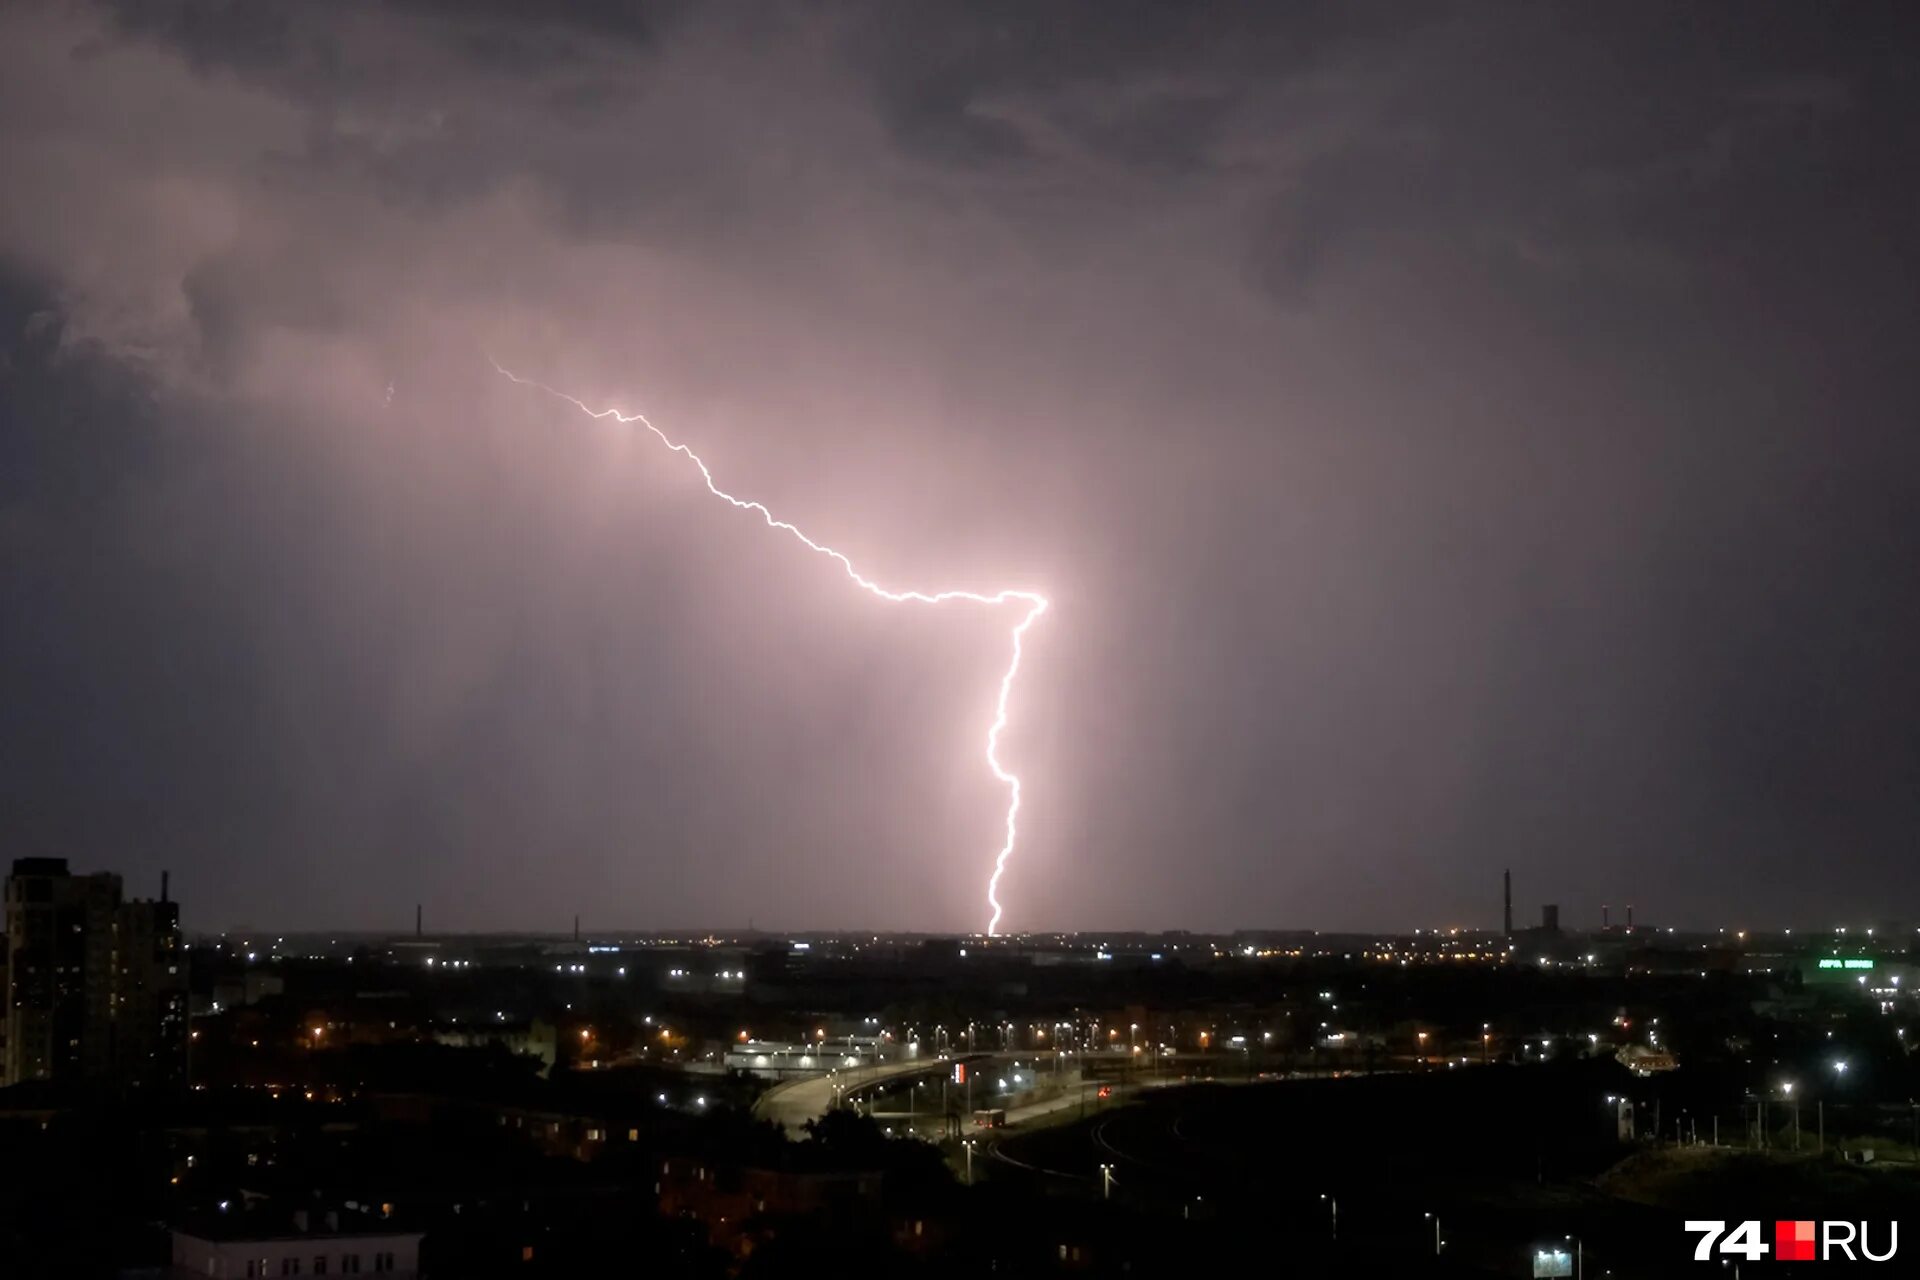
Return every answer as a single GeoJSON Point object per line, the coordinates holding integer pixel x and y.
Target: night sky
{"type": "Point", "coordinates": [1450, 440]}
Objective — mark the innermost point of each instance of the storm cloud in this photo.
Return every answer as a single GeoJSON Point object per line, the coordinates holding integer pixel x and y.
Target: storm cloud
{"type": "Point", "coordinates": [1451, 439]}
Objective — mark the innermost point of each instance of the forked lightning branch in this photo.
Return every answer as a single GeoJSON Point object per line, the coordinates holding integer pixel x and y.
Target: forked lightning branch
{"type": "Point", "coordinates": [1031, 605]}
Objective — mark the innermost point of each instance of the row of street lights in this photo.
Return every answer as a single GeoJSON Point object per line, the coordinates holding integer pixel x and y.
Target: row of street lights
{"type": "Point", "coordinates": [1439, 1241]}
{"type": "Point", "coordinates": [1333, 1222]}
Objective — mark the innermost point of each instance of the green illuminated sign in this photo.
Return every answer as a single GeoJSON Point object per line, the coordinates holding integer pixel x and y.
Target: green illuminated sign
{"type": "Point", "coordinates": [1834, 962]}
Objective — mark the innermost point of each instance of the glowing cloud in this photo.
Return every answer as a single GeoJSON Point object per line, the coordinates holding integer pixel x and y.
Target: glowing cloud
{"type": "Point", "coordinates": [1034, 605]}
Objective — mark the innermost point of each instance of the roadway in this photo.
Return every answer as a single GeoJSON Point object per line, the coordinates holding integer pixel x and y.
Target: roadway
{"type": "Point", "coordinates": [792, 1103]}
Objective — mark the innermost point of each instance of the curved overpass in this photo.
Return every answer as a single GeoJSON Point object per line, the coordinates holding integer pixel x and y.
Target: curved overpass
{"type": "Point", "coordinates": [793, 1103]}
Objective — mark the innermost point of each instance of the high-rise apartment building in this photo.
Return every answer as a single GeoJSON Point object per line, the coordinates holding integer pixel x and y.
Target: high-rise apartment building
{"type": "Point", "coordinates": [96, 986]}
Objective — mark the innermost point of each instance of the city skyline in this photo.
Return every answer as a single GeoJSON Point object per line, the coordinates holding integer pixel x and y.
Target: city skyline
{"type": "Point", "coordinates": [940, 639]}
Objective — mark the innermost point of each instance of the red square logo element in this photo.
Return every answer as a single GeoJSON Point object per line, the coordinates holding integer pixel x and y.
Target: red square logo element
{"type": "Point", "coordinates": [1794, 1241]}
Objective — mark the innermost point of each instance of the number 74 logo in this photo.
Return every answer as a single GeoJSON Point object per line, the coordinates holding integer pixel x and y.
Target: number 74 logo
{"type": "Point", "coordinates": [1743, 1242]}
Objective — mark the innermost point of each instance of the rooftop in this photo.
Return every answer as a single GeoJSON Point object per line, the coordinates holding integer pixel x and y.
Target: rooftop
{"type": "Point", "coordinates": [242, 1218]}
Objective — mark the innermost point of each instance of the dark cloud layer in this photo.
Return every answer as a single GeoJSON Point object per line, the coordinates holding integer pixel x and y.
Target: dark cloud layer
{"type": "Point", "coordinates": [1452, 438]}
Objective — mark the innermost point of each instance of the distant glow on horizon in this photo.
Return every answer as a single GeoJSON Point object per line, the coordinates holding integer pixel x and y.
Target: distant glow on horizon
{"type": "Point", "coordinates": [1036, 604]}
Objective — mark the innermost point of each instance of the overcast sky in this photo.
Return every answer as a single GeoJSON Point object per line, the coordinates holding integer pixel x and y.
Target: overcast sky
{"type": "Point", "coordinates": [1450, 440]}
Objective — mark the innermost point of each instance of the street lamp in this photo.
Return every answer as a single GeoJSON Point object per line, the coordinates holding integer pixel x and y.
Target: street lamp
{"type": "Point", "coordinates": [1579, 1256]}
{"type": "Point", "coordinates": [1436, 1234]}
{"type": "Point", "coordinates": [968, 1144]}
{"type": "Point", "coordinates": [1106, 1182]}
{"type": "Point", "coordinates": [1333, 1227]}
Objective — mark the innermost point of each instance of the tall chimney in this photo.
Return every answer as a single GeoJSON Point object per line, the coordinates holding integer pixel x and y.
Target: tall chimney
{"type": "Point", "coordinates": [1507, 919]}
{"type": "Point", "coordinates": [1629, 917]}
{"type": "Point", "coordinates": [1603, 918]}
{"type": "Point", "coordinates": [416, 919]}
{"type": "Point", "coordinates": [163, 886]}
{"type": "Point", "coordinates": [576, 928]}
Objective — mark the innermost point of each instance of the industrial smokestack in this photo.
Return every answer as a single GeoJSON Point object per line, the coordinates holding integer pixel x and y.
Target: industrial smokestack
{"type": "Point", "coordinates": [1603, 918]}
{"type": "Point", "coordinates": [163, 886]}
{"type": "Point", "coordinates": [417, 919]}
{"type": "Point", "coordinates": [1506, 878]}
{"type": "Point", "coordinates": [576, 928]}
{"type": "Point", "coordinates": [1629, 917]}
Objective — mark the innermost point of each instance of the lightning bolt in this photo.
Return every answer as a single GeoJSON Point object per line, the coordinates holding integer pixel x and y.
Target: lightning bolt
{"type": "Point", "coordinates": [1035, 604]}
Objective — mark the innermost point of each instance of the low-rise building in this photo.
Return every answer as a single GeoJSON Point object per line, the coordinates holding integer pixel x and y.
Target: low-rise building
{"type": "Point", "coordinates": [240, 1241]}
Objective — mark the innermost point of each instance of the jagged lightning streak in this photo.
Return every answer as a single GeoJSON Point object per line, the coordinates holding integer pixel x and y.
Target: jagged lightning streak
{"type": "Point", "coordinates": [1036, 604]}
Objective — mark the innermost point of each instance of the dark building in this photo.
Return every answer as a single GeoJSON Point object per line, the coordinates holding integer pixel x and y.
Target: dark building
{"type": "Point", "coordinates": [96, 986]}
{"type": "Point", "coordinates": [741, 1206]}
{"type": "Point", "coordinates": [1550, 918]}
